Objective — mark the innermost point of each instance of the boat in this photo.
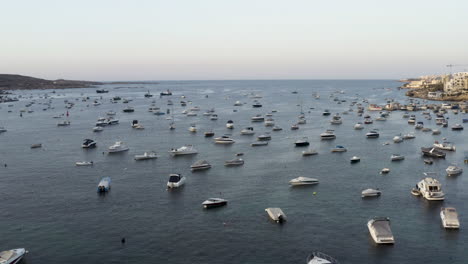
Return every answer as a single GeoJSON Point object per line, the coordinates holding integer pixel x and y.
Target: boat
{"type": "Point", "coordinates": [301, 121]}
{"type": "Point", "coordinates": [309, 152]}
{"type": "Point", "coordinates": [166, 93]}
{"type": "Point", "coordinates": [374, 107]}
{"type": "Point", "coordinates": [224, 140]}
{"type": "Point", "coordinates": [269, 122]}
{"type": "Point", "coordinates": [433, 152]}
{"type": "Point", "coordinates": [320, 258]}
{"type": "Point", "coordinates": [200, 165]}
{"type": "Point", "coordinates": [2, 129]}
{"type": "Point", "coordinates": [88, 143]}
{"type": "Point", "coordinates": [276, 214]}
{"type": "Point", "coordinates": [214, 202]}
{"type": "Point", "coordinates": [256, 104]}
{"type": "Point", "coordinates": [457, 127]}
{"type": "Point", "coordinates": [329, 134]}
{"type": "Point", "coordinates": [430, 188]}
{"type": "Point", "coordinates": [339, 148]}
{"type": "Point", "coordinates": [358, 126]}
{"type": "Point", "coordinates": [128, 109]}
{"type": "Point", "coordinates": [444, 146]}
{"type": "Point", "coordinates": [397, 139]}
{"type": "Point", "coordinates": [326, 112]}
{"type": "Point", "coordinates": [214, 117]}
{"type": "Point", "coordinates": [259, 143]}
{"type": "Point", "coordinates": [257, 118]}
{"type": "Point", "coordinates": [104, 185]}
{"type": "Point", "coordinates": [209, 133]}
{"type": "Point", "coordinates": [175, 180]}
{"type": "Point", "coordinates": [302, 142]}
{"type": "Point", "coordinates": [368, 121]}
{"type": "Point", "coordinates": [449, 217]}
{"type": "Point", "coordinates": [415, 192]}
{"type": "Point", "coordinates": [370, 193]}
{"type": "Point", "coordinates": [372, 134]}
{"type": "Point", "coordinates": [111, 113]}
{"type": "Point", "coordinates": [428, 161]}
{"type": "Point", "coordinates": [385, 171]}
{"type": "Point", "coordinates": [397, 157]}
{"type": "Point", "coordinates": [294, 127]}
{"type": "Point", "coordinates": [118, 146]}
{"type": "Point", "coordinates": [409, 136]}
{"type": "Point", "coordinates": [83, 163]}
{"type": "Point", "coordinates": [184, 150]}
{"type": "Point", "coordinates": [146, 156]}
{"type": "Point", "coordinates": [102, 91]}
{"type": "Point", "coordinates": [264, 137]}
{"type": "Point", "coordinates": [37, 145]}
{"type": "Point", "coordinates": [247, 131]}
{"type": "Point", "coordinates": [453, 170]}
{"type": "Point", "coordinates": [238, 103]}
{"type": "Point", "coordinates": [355, 159]}
{"type": "Point", "coordinates": [303, 181]}
{"type": "Point", "coordinates": [64, 123]}
{"type": "Point", "coordinates": [276, 128]}
{"type": "Point", "coordinates": [419, 125]}
{"type": "Point", "coordinates": [12, 256]}
{"type": "Point", "coordinates": [230, 124]}
{"type": "Point", "coordinates": [98, 129]}
{"type": "Point", "coordinates": [148, 95]}
{"type": "Point", "coordinates": [234, 162]}
{"type": "Point", "coordinates": [379, 229]}
{"type": "Point", "coordinates": [193, 128]}
{"type": "Point", "coordinates": [436, 132]}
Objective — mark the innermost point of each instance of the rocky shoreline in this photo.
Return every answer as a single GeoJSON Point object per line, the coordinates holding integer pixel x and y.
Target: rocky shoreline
{"type": "Point", "coordinates": [19, 82]}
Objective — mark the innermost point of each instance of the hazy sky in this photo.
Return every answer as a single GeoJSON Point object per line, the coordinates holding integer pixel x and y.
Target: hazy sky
{"type": "Point", "coordinates": [237, 39]}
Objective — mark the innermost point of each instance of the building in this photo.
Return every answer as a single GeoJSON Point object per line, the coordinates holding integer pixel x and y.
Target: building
{"type": "Point", "coordinates": [456, 83]}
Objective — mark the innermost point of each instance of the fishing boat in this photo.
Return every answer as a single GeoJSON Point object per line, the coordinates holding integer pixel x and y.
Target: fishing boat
{"type": "Point", "coordinates": [104, 185]}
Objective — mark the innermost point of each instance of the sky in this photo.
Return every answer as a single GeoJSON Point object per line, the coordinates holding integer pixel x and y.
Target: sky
{"type": "Point", "coordinates": [107, 40]}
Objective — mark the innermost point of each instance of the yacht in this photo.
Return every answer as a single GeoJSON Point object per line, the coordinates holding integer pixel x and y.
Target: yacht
{"type": "Point", "coordinates": [234, 162]}
{"type": "Point", "coordinates": [276, 214]}
{"type": "Point", "coordinates": [88, 143]}
{"type": "Point", "coordinates": [379, 229]}
{"type": "Point", "coordinates": [104, 185]}
{"type": "Point", "coordinates": [355, 159]}
{"type": "Point", "coordinates": [320, 258]}
{"type": "Point", "coordinates": [128, 109]}
{"type": "Point", "coordinates": [193, 128]}
{"type": "Point", "coordinates": [433, 152]}
{"type": "Point", "coordinates": [329, 134]}
{"type": "Point", "coordinates": [453, 170]}
{"type": "Point", "coordinates": [397, 139]}
{"type": "Point", "coordinates": [372, 134]}
{"type": "Point", "coordinates": [339, 148]}
{"type": "Point", "coordinates": [449, 217]}
{"type": "Point", "coordinates": [276, 128]}
{"type": "Point", "coordinates": [264, 137]}
{"type": "Point", "coordinates": [409, 136]}
{"type": "Point", "coordinates": [303, 181]}
{"type": "Point", "coordinates": [358, 126]}
{"type": "Point", "coordinates": [431, 189]}
{"type": "Point", "coordinates": [83, 163]}
{"type": "Point", "coordinates": [302, 142]}
{"type": "Point", "coordinates": [257, 118]}
{"type": "Point", "coordinates": [457, 127]}
{"type": "Point", "coordinates": [444, 146]}
{"type": "Point", "coordinates": [12, 256]}
{"type": "Point", "coordinates": [247, 131]}
{"type": "Point", "coordinates": [175, 180]}
{"type": "Point", "coordinates": [397, 157]}
{"type": "Point", "coordinates": [224, 140]}
{"type": "Point", "coordinates": [309, 152]}
{"type": "Point", "coordinates": [118, 146]}
{"type": "Point", "coordinates": [214, 202]}
{"type": "Point", "coordinates": [184, 150]}
{"type": "Point", "coordinates": [64, 123]}
{"type": "Point", "coordinates": [200, 165]}
{"type": "Point", "coordinates": [370, 193]}
{"type": "Point", "coordinates": [230, 124]}
{"type": "Point", "coordinates": [336, 120]}
{"type": "Point", "coordinates": [146, 156]}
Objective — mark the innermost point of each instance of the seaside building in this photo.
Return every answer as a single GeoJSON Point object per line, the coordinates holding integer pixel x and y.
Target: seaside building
{"type": "Point", "coordinates": [456, 83]}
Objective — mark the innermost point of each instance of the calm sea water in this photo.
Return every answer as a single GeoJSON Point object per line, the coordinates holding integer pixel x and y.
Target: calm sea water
{"type": "Point", "coordinates": [50, 206]}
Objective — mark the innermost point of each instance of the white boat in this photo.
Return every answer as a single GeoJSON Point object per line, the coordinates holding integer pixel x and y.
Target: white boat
{"type": "Point", "coordinates": [83, 163]}
{"type": "Point", "coordinates": [276, 214]}
{"type": "Point", "coordinates": [234, 162]}
{"type": "Point", "coordinates": [336, 120]}
{"type": "Point", "coordinates": [436, 132]}
{"type": "Point", "coordinates": [397, 139]}
{"type": "Point", "coordinates": [320, 258]}
{"type": "Point", "coordinates": [230, 124]}
{"type": "Point", "coordinates": [257, 118]}
{"type": "Point", "coordinates": [457, 127]}
{"type": "Point", "coordinates": [379, 229]}
{"type": "Point", "coordinates": [193, 128]}
{"type": "Point", "coordinates": [184, 150]}
{"type": "Point", "coordinates": [259, 143]}
{"type": "Point", "coordinates": [12, 256]}
{"type": "Point", "coordinates": [269, 122]}
{"type": "Point", "coordinates": [63, 123]}
{"type": "Point", "coordinates": [247, 131]}
{"type": "Point", "coordinates": [355, 159]}
{"type": "Point", "coordinates": [385, 171]}
{"type": "Point", "coordinates": [303, 181]}
{"type": "Point", "coordinates": [453, 170]}
{"type": "Point", "coordinates": [370, 193]}
{"type": "Point", "coordinates": [88, 143]}
{"type": "Point", "coordinates": [301, 121]}
{"type": "Point", "coordinates": [294, 127]}
{"type": "Point", "coordinates": [303, 142]}
{"type": "Point", "coordinates": [397, 157]}
{"type": "Point", "coordinates": [214, 117]}
{"type": "Point", "coordinates": [104, 185]}
{"type": "Point", "coordinates": [200, 165]}
{"type": "Point", "coordinates": [358, 126]}
{"type": "Point", "coordinates": [214, 202]}
{"type": "Point", "coordinates": [146, 156]}
{"type": "Point", "coordinates": [309, 152]}
{"type": "Point", "coordinates": [444, 146]}
{"type": "Point", "coordinates": [329, 134]}
{"type": "Point", "coordinates": [264, 137]}
{"type": "Point", "coordinates": [431, 189]}
{"type": "Point", "coordinates": [449, 217]}
{"type": "Point", "coordinates": [111, 113]}
{"type": "Point", "coordinates": [372, 134]}
{"type": "Point", "coordinates": [224, 140]}
{"type": "Point", "coordinates": [409, 136]}
{"type": "Point", "coordinates": [238, 103]}
{"type": "Point", "coordinates": [339, 148]}
{"type": "Point", "coordinates": [276, 128]}
{"type": "Point", "coordinates": [191, 113]}
{"type": "Point", "coordinates": [118, 146]}
{"type": "Point", "coordinates": [175, 180]}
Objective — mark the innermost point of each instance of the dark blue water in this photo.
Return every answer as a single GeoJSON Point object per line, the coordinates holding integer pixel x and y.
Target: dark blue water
{"type": "Point", "coordinates": [50, 206]}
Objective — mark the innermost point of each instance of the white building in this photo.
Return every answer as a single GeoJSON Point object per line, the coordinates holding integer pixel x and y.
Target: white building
{"type": "Point", "coordinates": [456, 83]}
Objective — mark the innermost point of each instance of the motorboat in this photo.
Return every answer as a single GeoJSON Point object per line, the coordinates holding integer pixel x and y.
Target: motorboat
{"type": "Point", "coordinates": [269, 122]}
{"type": "Point", "coordinates": [264, 137]}
{"type": "Point", "coordinates": [372, 134]}
{"type": "Point", "coordinates": [457, 127]}
{"type": "Point", "coordinates": [339, 148]}
{"type": "Point", "coordinates": [431, 189]}
{"type": "Point", "coordinates": [200, 165]}
{"type": "Point", "coordinates": [397, 157]}
{"type": "Point", "coordinates": [303, 142]}
{"type": "Point", "coordinates": [326, 112]}
{"type": "Point", "coordinates": [419, 125]}
{"type": "Point", "coordinates": [320, 258]}
{"type": "Point", "coordinates": [259, 143]}
{"type": "Point", "coordinates": [146, 156]}
{"type": "Point", "coordinates": [257, 118]}
{"type": "Point", "coordinates": [224, 140]}
{"type": "Point", "coordinates": [247, 131]}
{"type": "Point", "coordinates": [256, 104]}
{"type": "Point", "coordinates": [166, 93]}
{"type": "Point", "coordinates": [135, 123]}
{"type": "Point", "coordinates": [193, 128]}
{"type": "Point", "coordinates": [368, 121]}
{"type": "Point", "coordinates": [2, 129]}
{"type": "Point", "coordinates": [409, 136]}
{"type": "Point", "coordinates": [309, 152]}
{"type": "Point", "coordinates": [230, 124]}
{"type": "Point", "coordinates": [301, 121]}
{"type": "Point", "coordinates": [294, 127]}
{"type": "Point", "coordinates": [191, 113]}
{"type": "Point", "coordinates": [209, 133]}
{"type": "Point", "coordinates": [370, 193]}
{"type": "Point", "coordinates": [433, 152]}
{"type": "Point", "coordinates": [276, 128]}
{"type": "Point", "coordinates": [397, 139]}
{"type": "Point", "coordinates": [234, 162]}
{"type": "Point", "coordinates": [436, 132]}
{"type": "Point", "coordinates": [329, 134]}
{"type": "Point", "coordinates": [336, 120]}
{"type": "Point", "coordinates": [118, 146]}
{"type": "Point", "coordinates": [214, 117]}
{"type": "Point", "coordinates": [64, 123]}
{"type": "Point", "coordinates": [385, 171]}
{"type": "Point", "coordinates": [128, 109]}
{"type": "Point", "coordinates": [214, 202]}
{"type": "Point", "coordinates": [12, 256]}
{"type": "Point", "coordinates": [276, 214]}
{"type": "Point", "coordinates": [175, 180]}
{"type": "Point", "coordinates": [444, 146]}
{"type": "Point", "coordinates": [449, 217]}
{"type": "Point", "coordinates": [102, 91]}
{"type": "Point", "coordinates": [303, 181]}
{"type": "Point", "coordinates": [112, 121]}
{"type": "Point", "coordinates": [358, 126]}
{"type": "Point", "coordinates": [428, 161]}
{"type": "Point", "coordinates": [355, 159]}
{"type": "Point", "coordinates": [83, 163]}
{"type": "Point", "coordinates": [453, 170]}
{"type": "Point", "coordinates": [184, 150]}
{"type": "Point", "coordinates": [88, 143]}
{"type": "Point", "coordinates": [104, 185]}
{"type": "Point", "coordinates": [238, 103]}
{"type": "Point", "coordinates": [37, 145]}
{"type": "Point", "coordinates": [380, 231]}
{"type": "Point", "coordinates": [426, 129]}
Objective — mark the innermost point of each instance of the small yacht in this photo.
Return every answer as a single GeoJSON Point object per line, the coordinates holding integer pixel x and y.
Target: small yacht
{"type": "Point", "coordinates": [372, 134]}
{"type": "Point", "coordinates": [146, 156]}
{"type": "Point", "coordinates": [444, 146]}
{"type": "Point", "coordinates": [200, 165]}
{"type": "Point", "coordinates": [453, 170]}
{"type": "Point", "coordinates": [433, 152]}
{"type": "Point", "coordinates": [329, 134]}
{"type": "Point", "coordinates": [303, 142]}
{"type": "Point", "coordinates": [355, 159]}
{"type": "Point", "coordinates": [457, 127]}
{"type": "Point", "coordinates": [370, 193]}
{"type": "Point", "coordinates": [431, 189]}
{"type": "Point", "coordinates": [184, 150]}
{"type": "Point", "coordinates": [259, 143]}
{"type": "Point", "coordinates": [409, 136]}
{"type": "Point", "coordinates": [320, 258]}
{"type": "Point", "coordinates": [379, 229]}
{"type": "Point", "coordinates": [358, 126]}
{"type": "Point", "coordinates": [193, 128]}
{"type": "Point", "coordinates": [88, 143]}
{"type": "Point", "coordinates": [224, 140]}
{"type": "Point", "coordinates": [12, 256]}
{"type": "Point", "coordinates": [234, 162]}
{"type": "Point", "coordinates": [247, 131]}
{"type": "Point", "coordinates": [309, 152]}
{"type": "Point", "coordinates": [303, 181]}
{"type": "Point", "coordinates": [397, 157]}
{"type": "Point", "coordinates": [449, 217]}
{"type": "Point", "coordinates": [269, 122]}
{"type": "Point", "coordinates": [385, 171]}
{"type": "Point", "coordinates": [175, 180]}
{"type": "Point", "coordinates": [397, 139]}
{"type": "Point", "coordinates": [257, 118]}
{"type": "Point", "coordinates": [118, 146]}
{"type": "Point", "coordinates": [214, 202]}
{"type": "Point", "coordinates": [338, 148]}
{"type": "Point", "coordinates": [83, 163]}
{"type": "Point", "coordinates": [276, 214]}
{"type": "Point", "coordinates": [104, 185]}
{"type": "Point", "coordinates": [230, 124]}
{"type": "Point", "coordinates": [264, 137]}
{"type": "Point", "coordinates": [276, 128]}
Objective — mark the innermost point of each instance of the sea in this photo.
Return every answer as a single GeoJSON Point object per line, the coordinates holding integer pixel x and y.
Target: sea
{"type": "Point", "coordinates": [51, 207]}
